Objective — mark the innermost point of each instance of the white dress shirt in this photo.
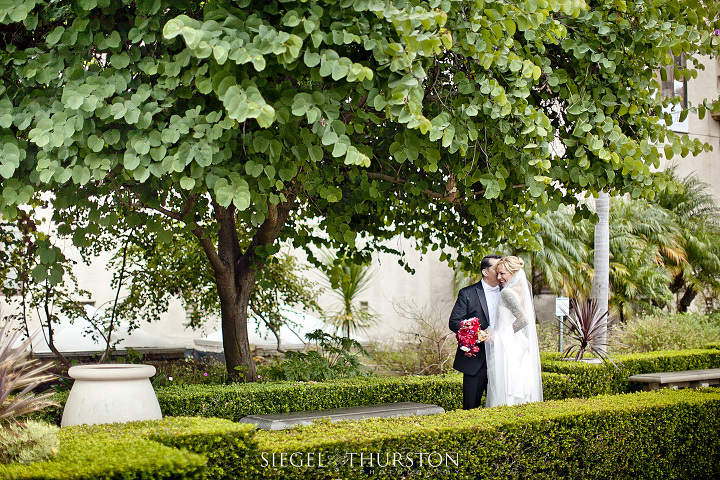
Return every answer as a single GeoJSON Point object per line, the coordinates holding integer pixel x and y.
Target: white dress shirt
{"type": "Point", "coordinates": [492, 295]}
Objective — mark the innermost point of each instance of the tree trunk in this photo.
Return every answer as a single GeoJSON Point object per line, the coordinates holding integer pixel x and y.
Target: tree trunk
{"type": "Point", "coordinates": [678, 283]}
{"type": "Point", "coordinates": [235, 275]}
{"type": "Point", "coordinates": [601, 279]}
{"type": "Point", "coordinates": [231, 284]}
{"type": "Point", "coordinates": [686, 299]}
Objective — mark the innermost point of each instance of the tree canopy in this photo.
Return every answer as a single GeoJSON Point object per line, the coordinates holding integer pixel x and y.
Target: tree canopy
{"type": "Point", "coordinates": [319, 121]}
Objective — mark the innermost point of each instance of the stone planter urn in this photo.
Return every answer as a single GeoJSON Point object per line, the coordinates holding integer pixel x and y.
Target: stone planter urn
{"type": "Point", "coordinates": [109, 393]}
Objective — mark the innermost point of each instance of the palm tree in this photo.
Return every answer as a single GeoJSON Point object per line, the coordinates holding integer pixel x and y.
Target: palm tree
{"type": "Point", "coordinates": [639, 233]}
{"type": "Point", "coordinates": [642, 235]}
{"type": "Point", "coordinates": [348, 280]}
{"type": "Point", "coordinates": [562, 252]}
{"type": "Point", "coordinates": [698, 215]}
{"type": "Point", "coordinates": [601, 277]}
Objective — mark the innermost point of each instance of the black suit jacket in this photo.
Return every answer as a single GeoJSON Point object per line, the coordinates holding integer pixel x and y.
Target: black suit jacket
{"type": "Point", "coordinates": [470, 303]}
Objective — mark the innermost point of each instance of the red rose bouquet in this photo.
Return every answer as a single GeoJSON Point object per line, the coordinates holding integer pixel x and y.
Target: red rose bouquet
{"type": "Point", "coordinates": [469, 335]}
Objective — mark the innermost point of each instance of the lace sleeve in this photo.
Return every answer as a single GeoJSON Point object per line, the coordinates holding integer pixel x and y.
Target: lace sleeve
{"type": "Point", "coordinates": [513, 303]}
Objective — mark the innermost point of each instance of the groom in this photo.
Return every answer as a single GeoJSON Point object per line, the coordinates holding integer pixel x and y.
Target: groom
{"type": "Point", "coordinates": [479, 300]}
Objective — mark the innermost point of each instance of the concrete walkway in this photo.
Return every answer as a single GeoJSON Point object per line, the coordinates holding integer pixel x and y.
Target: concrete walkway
{"type": "Point", "coordinates": [281, 421]}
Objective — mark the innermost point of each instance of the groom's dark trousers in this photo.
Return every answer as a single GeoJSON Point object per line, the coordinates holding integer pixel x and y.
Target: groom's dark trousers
{"type": "Point", "coordinates": [471, 303]}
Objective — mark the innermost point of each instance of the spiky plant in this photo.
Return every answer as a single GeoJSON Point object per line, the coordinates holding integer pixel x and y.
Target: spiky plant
{"type": "Point", "coordinates": [19, 376]}
{"type": "Point", "coordinates": [348, 280]}
{"type": "Point", "coordinates": [585, 329]}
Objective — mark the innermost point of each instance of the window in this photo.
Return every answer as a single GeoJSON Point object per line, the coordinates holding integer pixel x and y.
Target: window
{"type": "Point", "coordinates": [674, 86]}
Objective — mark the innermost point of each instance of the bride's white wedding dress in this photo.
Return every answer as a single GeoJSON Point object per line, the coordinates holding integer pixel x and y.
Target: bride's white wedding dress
{"type": "Point", "coordinates": [513, 357]}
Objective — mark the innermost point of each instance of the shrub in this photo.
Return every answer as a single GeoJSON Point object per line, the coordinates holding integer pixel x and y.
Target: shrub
{"type": "Point", "coordinates": [103, 455]}
{"type": "Point", "coordinates": [29, 442]}
{"type": "Point", "coordinates": [660, 435]}
{"type": "Point", "coordinates": [234, 402]}
{"type": "Point", "coordinates": [669, 332]}
{"type": "Point", "coordinates": [425, 347]}
{"type": "Point", "coordinates": [225, 445]}
{"type": "Point", "coordinates": [332, 359]}
{"type": "Point", "coordinates": [177, 448]}
{"type": "Point", "coordinates": [587, 328]}
{"type": "Point", "coordinates": [547, 332]}
{"type": "Point", "coordinates": [190, 371]}
{"type": "Point", "coordinates": [596, 379]}
{"type": "Point", "coordinates": [561, 379]}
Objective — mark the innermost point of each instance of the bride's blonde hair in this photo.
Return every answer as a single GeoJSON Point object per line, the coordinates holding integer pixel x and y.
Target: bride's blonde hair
{"type": "Point", "coordinates": [512, 263]}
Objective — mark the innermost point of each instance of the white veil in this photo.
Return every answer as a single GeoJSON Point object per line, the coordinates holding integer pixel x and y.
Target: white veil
{"type": "Point", "coordinates": [513, 358]}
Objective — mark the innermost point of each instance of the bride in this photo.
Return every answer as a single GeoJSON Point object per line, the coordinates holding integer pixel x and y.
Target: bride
{"type": "Point", "coordinates": [513, 357]}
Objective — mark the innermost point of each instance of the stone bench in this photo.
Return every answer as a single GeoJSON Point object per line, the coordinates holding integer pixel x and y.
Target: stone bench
{"type": "Point", "coordinates": [685, 379]}
{"type": "Point", "coordinates": [281, 421]}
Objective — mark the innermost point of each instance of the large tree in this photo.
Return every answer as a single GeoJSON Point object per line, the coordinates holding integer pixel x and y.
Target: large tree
{"type": "Point", "coordinates": [319, 120]}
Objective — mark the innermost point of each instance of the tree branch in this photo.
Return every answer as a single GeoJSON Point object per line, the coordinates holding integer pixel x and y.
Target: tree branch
{"type": "Point", "coordinates": [271, 227]}
{"type": "Point", "coordinates": [199, 232]}
{"type": "Point", "coordinates": [450, 194]}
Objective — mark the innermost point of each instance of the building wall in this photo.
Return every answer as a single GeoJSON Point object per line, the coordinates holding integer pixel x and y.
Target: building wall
{"type": "Point", "coordinates": [430, 287]}
{"type": "Point", "coordinates": [707, 130]}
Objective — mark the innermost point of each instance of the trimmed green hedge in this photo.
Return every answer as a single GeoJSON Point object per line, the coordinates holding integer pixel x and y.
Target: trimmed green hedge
{"type": "Point", "coordinates": [713, 345]}
{"type": "Point", "coordinates": [561, 379]}
{"type": "Point", "coordinates": [236, 401]}
{"type": "Point", "coordinates": [174, 448]}
{"type": "Point", "coordinates": [660, 435]}
{"type": "Point", "coordinates": [587, 379]}
{"type": "Point", "coordinates": [102, 455]}
{"type": "Point", "coordinates": [665, 434]}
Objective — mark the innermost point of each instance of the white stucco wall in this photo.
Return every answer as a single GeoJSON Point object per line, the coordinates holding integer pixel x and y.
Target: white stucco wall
{"type": "Point", "coordinates": [707, 164]}
{"type": "Point", "coordinates": [391, 284]}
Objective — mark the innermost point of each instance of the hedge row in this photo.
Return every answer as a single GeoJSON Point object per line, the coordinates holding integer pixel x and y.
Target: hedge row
{"type": "Point", "coordinates": [174, 448]}
{"type": "Point", "coordinates": [661, 435]}
{"type": "Point", "coordinates": [234, 402]}
{"type": "Point", "coordinates": [658, 435]}
{"type": "Point", "coordinates": [561, 379]}
{"type": "Point", "coordinates": [586, 379]}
